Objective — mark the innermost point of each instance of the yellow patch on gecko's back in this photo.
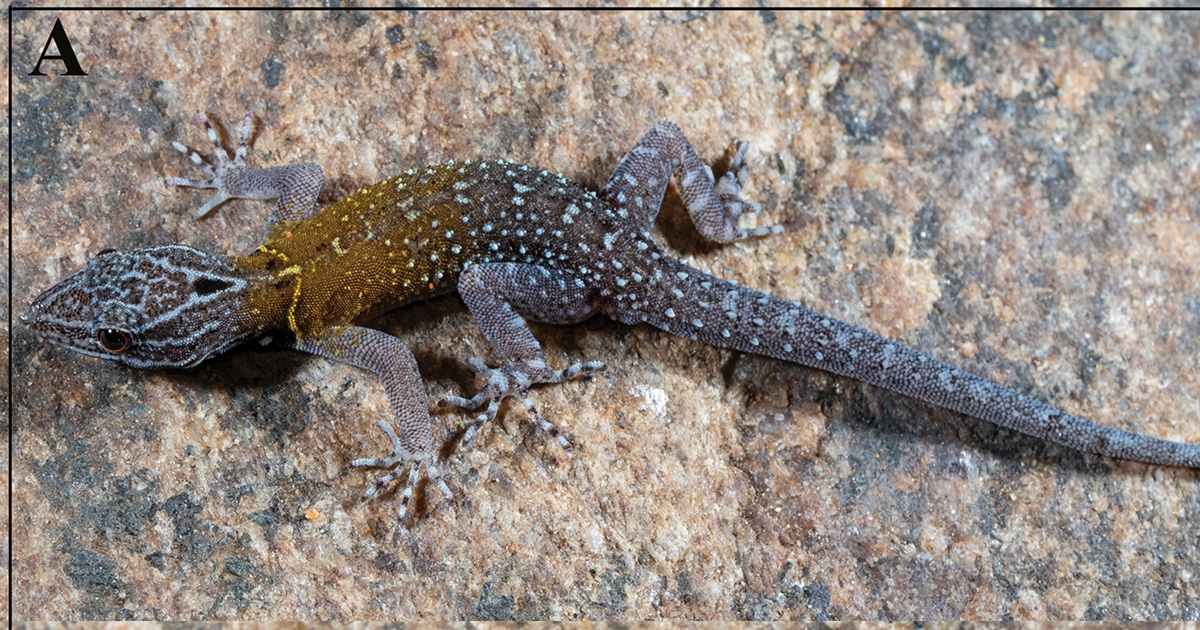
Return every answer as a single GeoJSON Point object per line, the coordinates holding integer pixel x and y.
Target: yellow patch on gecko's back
{"type": "Point", "coordinates": [382, 247]}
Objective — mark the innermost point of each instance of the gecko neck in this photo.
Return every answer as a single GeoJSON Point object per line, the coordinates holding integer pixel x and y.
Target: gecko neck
{"type": "Point", "coordinates": [204, 305]}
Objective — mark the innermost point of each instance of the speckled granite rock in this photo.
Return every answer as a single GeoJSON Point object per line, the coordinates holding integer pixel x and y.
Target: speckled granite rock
{"type": "Point", "coordinates": [1016, 194]}
{"type": "Point", "coordinates": [5, 542]}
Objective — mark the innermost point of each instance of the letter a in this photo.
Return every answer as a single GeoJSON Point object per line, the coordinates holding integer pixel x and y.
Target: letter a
{"type": "Point", "coordinates": [58, 35]}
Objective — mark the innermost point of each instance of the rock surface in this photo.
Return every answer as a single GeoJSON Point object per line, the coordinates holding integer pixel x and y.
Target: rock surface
{"type": "Point", "coordinates": [1015, 194]}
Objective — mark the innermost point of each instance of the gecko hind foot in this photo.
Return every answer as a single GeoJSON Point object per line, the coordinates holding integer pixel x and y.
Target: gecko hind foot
{"type": "Point", "coordinates": [729, 190]}
{"type": "Point", "coordinates": [393, 463]}
{"type": "Point", "coordinates": [515, 379]}
{"type": "Point", "coordinates": [220, 176]}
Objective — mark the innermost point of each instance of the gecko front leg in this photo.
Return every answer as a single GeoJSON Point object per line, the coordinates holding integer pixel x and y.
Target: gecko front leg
{"type": "Point", "coordinates": [295, 186]}
{"type": "Point", "coordinates": [393, 362]}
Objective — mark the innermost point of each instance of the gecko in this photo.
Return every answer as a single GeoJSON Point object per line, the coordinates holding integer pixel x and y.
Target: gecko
{"type": "Point", "coordinates": [517, 243]}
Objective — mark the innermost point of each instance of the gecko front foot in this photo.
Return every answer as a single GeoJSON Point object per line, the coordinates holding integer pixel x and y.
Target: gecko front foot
{"type": "Point", "coordinates": [295, 186]}
{"type": "Point", "coordinates": [224, 175]}
{"type": "Point", "coordinates": [400, 455]}
{"type": "Point", "coordinates": [515, 379]}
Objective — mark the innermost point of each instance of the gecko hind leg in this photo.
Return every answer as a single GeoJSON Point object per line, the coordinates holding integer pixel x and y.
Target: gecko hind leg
{"type": "Point", "coordinates": [639, 182]}
{"type": "Point", "coordinates": [729, 191]}
{"type": "Point", "coordinates": [500, 296]}
{"type": "Point", "coordinates": [514, 379]}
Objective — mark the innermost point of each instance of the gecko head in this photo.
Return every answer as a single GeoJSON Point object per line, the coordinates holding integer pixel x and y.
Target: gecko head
{"type": "Point", "coordinates": [169, 306]}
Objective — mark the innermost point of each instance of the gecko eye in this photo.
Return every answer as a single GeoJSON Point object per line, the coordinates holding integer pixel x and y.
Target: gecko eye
{"type": "Point", "coordinates": [107, 250]}
{"type": "Point", "coordinates": [113, 340]}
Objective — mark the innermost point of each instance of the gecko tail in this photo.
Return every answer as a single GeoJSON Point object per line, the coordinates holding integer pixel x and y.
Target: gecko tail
{"type": "Point", "coordinates": [727, 315]}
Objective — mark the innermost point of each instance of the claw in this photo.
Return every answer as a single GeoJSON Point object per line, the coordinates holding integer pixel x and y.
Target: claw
{"type": "Point", "coordinates": [243, 141]}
